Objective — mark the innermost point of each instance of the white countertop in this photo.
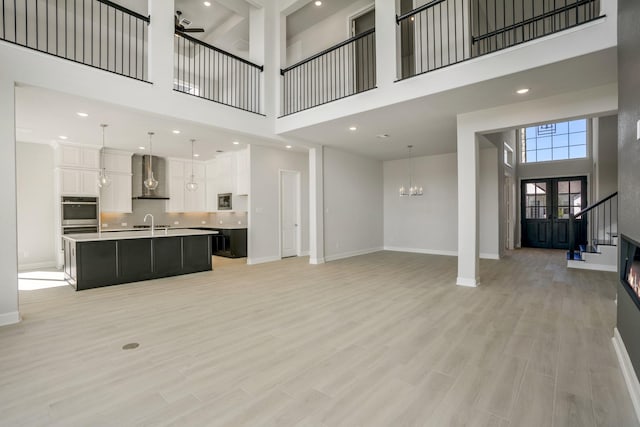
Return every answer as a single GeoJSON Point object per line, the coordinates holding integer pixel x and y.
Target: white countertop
{"type": "Point", "coordinates": [142, 234]}
{"type": "Point", "coordinates": [221, 227]}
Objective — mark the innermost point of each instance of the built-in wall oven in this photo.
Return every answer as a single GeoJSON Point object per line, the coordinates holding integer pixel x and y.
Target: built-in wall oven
{"type": "Point", "coordinates": [79, 215]}
{"type": "Point", "coordinates": [79, 211]}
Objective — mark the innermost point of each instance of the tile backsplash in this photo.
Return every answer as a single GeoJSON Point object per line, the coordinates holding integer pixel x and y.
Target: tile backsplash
{"type": "Point", "coordinates": [114, 221]}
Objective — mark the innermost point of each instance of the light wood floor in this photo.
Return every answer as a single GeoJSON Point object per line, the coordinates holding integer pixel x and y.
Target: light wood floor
{"type": "Point", "coordinates": [382, 339]}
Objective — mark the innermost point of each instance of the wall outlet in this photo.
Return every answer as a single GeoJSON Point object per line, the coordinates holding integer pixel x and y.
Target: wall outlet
{"type": "Point", "coordinates": [124, 224]}
{"type": "Point", "coordinates": [105, 225]}
{"type": "Point", "coordinates": [176, 222]}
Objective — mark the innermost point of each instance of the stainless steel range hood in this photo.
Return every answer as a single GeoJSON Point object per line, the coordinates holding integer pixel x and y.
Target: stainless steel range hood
{"type": "Point", "coordinates": [139, 167]}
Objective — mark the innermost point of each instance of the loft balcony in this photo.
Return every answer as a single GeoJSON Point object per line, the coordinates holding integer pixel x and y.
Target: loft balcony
{"type": "Point", "coordinates": [445, 32]}
{"type": "Point", "coordinates": [107, 36]}
{"type": "Point", "coordinates": [208, 72]}
{"type": "Point", "coordinates": [430, 37]}
{"type": "Point", "coordinates": [97, 33]}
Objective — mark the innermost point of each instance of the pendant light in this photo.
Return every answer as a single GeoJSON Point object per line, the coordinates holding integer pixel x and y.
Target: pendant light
{"type": "Point", "coordinates": [103, 179]}
{"type": "Point", "coordinates": [150, 182]}
{"type": "Point", "coordinates": [192, 185]}
{"type": "Point", "coordinates": [414, 190]}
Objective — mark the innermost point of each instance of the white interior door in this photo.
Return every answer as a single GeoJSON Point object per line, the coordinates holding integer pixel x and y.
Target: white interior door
{"type": "Point", "coordinates": [289, 213]}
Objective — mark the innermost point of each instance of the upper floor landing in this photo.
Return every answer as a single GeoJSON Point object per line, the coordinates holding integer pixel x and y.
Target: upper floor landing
{"type": "Point", "coordinates": [271, 67]}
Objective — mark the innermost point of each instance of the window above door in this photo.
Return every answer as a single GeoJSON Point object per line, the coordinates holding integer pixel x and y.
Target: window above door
{"type": "Point", "coordinates": [554, 141]}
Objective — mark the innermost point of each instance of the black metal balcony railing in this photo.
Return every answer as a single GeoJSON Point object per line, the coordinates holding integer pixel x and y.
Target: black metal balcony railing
{"type": "Point", "coordinates": [343, 70]}
{"type": "Point", "coordinates": [207, 72]}
{"type": "Point", "coordinates": [97, 33]}
{"type": "Point", "coordinates": [445, 32]}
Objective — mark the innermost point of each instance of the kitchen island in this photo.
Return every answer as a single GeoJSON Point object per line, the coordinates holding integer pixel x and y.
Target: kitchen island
{"type": "Point", "coordinates": [103, 259]}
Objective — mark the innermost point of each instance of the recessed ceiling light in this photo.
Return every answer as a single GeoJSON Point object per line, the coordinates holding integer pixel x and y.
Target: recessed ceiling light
{"type": "Point", "coordinates": [63, 137]}
{"type": "Point", "coordinates": [318, 3]}
{"type": "Point", "coordinates": [522, 91]}
{"type": "Point", "coordinates": [81, 114]}
{"type": "Point", "coordinates": [141, 148]}
{"type": "Point", "coordinates": [176, 131]}
{"type": "Point", "coordinates": [196, 155]}
{"type": "Point", "coordinates": [287, 146]}
{"type": "Point", "coordinates": [383, 135]}
{"type": "Point", "coordinates": [353, 128]}
{"type": "Point", "coordinates": [207, 3]}
{"type": "Point", "coordinates": [235, 143]}
{"type": "Point", "coordinates": [219, 151]}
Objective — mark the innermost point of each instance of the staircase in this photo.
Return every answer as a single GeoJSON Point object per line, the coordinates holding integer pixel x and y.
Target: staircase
{"type": "Point", "coordinates": [601, 249]}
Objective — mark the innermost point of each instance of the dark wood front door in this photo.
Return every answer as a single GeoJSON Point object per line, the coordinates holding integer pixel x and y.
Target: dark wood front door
{"type": "Point", "coordinates": [546, 205]}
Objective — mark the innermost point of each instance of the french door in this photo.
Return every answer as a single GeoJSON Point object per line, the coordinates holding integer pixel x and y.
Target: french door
{"type": "Point", "coordinates": [546, 205]}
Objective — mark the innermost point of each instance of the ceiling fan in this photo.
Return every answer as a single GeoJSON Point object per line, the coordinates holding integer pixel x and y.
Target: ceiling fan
{"type": "Point", "coordinates": [181, 24]}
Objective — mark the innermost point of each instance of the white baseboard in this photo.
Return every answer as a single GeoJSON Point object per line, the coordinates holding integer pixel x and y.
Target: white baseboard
{"type": "Point", "coordinates": [420, 251]}
{"type": "Point", "coordinates": [9, 318]}
{"type": "Point", "coordinates": [629, 374]}
{"type": "Point", "coordinates": [305, 253]}
{"type": "Point", "coordinates": [254, 261]}
{"type": "Point", "coordinates": [352, 254]}
{"type": "Point", "coordinates": [469, 283]}
{"type": "Point", "coordinates": [37, 265]}
{"type": "Point", "coordinates": [316, 261]}
{"type": "Point", "coordinates": [582, 265]}
{"type": "Point", "coordinates": [483, 255]}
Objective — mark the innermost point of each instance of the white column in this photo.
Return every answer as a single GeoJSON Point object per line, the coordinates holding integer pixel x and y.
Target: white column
{"type": "Point", "coordinates": [468, 212]}
{"type": "Point", "coordinates": [386, 56]}
{"type": "Point", "coordinates": [161, 40]}
{"type": "Point", "coordinates": [8, 214]}
{"type": "Point", "coordinates": [316, 205]}
{"type": "Point", "coordinates": [274, 45]}
{"type": "Point", "coordinates": [256, 35]}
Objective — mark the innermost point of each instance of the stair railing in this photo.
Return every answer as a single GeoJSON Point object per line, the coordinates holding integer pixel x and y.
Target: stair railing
{"type": "Point", "coordinates": [601, 220]}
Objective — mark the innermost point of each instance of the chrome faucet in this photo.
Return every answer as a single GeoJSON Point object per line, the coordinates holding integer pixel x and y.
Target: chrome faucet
{"type": "Point", "coordinates": [152, 222]}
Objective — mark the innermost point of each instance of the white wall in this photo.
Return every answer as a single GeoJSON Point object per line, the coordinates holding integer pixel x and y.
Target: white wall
{"type": "Point", "coordinates": [264, 214]}
{"type": "Point", "coordinates": [422, 224]}
{"type": "Point", "coordinates": [323, 34]}
{"type": "Point", "coordinates": [607, 157]}
{"type": "Point", "coordinates": [489, 189]}
{"type": "Point", "coordinates": [429, 224]}
{"type": "Point", "coordinates": [34, 176]}
{"type": "Point", "coordinates": [353, 204]}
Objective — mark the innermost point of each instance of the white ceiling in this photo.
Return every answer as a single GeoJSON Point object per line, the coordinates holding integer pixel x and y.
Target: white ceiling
{"type": "Point", "coordinates": [310, 14]}
{"type": "Point", "coordinates": [43, 115]}
{"type": "Point", "coordinates": [226, 23]}
{"type": "Point", "coordinates": [429, 123]}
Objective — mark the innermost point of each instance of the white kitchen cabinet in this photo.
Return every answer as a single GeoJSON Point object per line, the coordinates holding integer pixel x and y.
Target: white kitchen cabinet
{"type": "Point", "coordinates": [225, 176]}
{"type": "Point", "coordinates": [116, 197]}
{"type": "Point", "coordinates": [175, 180]}
{"type": "Point", "coordinates": [180, 199]}
{"type": "Point", "coordinates": [117, 161]}
{"type": "Point", "coordinates": [242, 172]}
{"type": "Point", "coordinates": [78, 182]}
{"type": "Point", "coordinates": [211, 187]}
{"type": "Point", "coordinates": [77, 156]}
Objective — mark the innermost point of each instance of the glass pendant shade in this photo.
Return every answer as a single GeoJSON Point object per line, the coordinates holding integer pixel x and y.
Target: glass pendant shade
{"type": "Point", "coordinates": [414, 190]}
{"type": "Point", "coordinates": [192, 185]}
{"type": "Point", "coordinates": [150, 182]}
{"type": "Point", "coordinates": [103, 178]}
